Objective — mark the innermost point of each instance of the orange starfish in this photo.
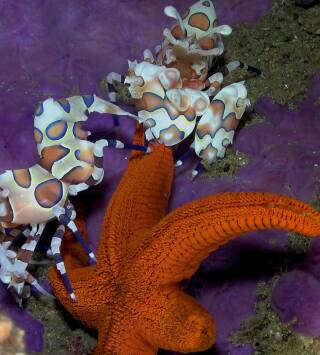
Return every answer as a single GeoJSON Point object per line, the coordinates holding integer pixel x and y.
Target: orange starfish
{"type": "Point", "coordinates": [133, 295]}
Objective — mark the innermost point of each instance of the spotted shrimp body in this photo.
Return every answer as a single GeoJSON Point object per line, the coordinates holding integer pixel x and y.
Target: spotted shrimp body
{"type": "Point", "coordinates": [168, 114]}
{"type": "Point", "coordinates": [32, 194]}
{"type": "Point", "coordinates": [68, 164]}
{"type": "Point", "coordinates": [216, 128]}
{"type": "Point", "coordinates": [188, 53]}
{"type": "Point", "coordinates": [193, 43]}
{"type": "Point", "coordinates": [171, 115]}
{"type": "Point", "coordinates": [190, 46]}
{"type": "Point", "coordinates": [62, 143]}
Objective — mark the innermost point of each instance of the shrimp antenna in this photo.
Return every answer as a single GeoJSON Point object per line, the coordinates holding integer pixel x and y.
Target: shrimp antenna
{"type": "Point", "coordinates": [171, 11]}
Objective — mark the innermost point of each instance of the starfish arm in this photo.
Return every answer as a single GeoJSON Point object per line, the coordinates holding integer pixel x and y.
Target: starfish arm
{"type": "Point", "coordinates": [173, 320]}
{"type": "Point", "coordinates": [168, 319]}
{"type": "Point", "coordinates": [179, 243]}
{"type": "Point", "coordinates": [121, 337]}
{"type": "Point", "coordinates": [140, 202]}
{"type": "Point", "coordinates": [93, 292]}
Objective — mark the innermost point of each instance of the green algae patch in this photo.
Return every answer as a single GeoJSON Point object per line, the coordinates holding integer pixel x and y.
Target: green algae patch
{"type": "Point", "coordinates": [284, 44]}
{"type": "Point", "coordinates": [122, 91]}
{"type": "Point", "coordinates": [267, 334]}
{"type": "Point", "coordinates": [250, 119]}
{"type": "Point", "coordinates": [228, 166]}
{"type": "Point", "coordinates": [315, 202]}
{"type": "Point", "coordinates": [62, 334]}
{"type": "Point", "coordinates": [298, 243]}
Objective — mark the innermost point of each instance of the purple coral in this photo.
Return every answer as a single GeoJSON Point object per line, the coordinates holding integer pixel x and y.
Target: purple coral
{"type": "Point", "coordinates": [60, 48]}
{"type": "Point", "coordinates": [296, 297]}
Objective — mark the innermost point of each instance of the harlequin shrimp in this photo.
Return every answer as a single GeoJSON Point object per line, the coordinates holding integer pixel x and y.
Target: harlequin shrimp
{"type": "Point", "coordinates": [166, 120]}
{"type": "Point", "coordinates": [68, 164]}
{"type": "Point", "coordinates": [7, 259]}
{"type": "Point", "coordinates": [194, 43]}
{"type": "Point", "coordinates": [216, 128]}
{"type": "Point", "coordinates": [191, 46]}
{"type": "Point", "coordinates": [171, 113]}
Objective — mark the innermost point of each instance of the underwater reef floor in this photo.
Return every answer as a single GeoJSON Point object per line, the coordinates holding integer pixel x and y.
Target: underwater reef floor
{"type": "Point", "coordinates": [284, 43]}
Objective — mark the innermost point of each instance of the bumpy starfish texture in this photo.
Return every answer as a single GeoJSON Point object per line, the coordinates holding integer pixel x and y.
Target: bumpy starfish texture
{"type": "Point", "coordinates": [133, 295]}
